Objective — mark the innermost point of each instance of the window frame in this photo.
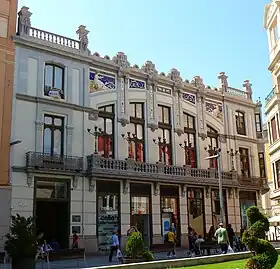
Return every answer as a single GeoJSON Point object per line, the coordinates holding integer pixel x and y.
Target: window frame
{"type": "Point", "coordinates": [62, 90]}
{"type": "Point", "coordinates": [248, 161]}
{"type": "Point", "coordinates": [258, 121]}
{"type": "Point", "coordinates": [238, 116]}
{"type": "Point", "coordinates": [54, 127]}
{"type": "Point", "coordinates": [136, 121]}
{"type": "Point", "coordinates": [262, 165]}
{"type": "Point", "coordinates": [273, 135]}
{"type": "Point", "coordinates": [190, 131]}
{"type": "Point", "coordinates": [111, 116]}
{"type": "Point", "coordinates": [213, 135]}
{"type": "Point", "coordinates": [166, 126]}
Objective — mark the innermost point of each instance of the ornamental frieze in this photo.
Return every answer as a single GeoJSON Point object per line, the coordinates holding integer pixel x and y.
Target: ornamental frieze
{"type": "Point", "coordinates": [189, 97]}
{"type": "Point", "coordinates": [136, 84]}
{"type": "Point", "coordinates": [99, 81]}
{"type": "Point", "coordinates": [215, 109]}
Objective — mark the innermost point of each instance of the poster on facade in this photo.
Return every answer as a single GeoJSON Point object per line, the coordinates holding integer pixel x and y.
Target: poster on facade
{"type": "Point", "coordinates": [166, 223]}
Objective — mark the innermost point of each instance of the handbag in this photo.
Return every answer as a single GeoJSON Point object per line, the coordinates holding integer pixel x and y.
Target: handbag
{"type": "Point", "coordinates": [230, 250]}
{"type": "Point", "coordinates": [119, 254]}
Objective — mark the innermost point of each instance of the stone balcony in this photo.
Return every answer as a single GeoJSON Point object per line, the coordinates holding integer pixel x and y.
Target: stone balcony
{"type": "Point", "coordinates": [98, 166]}
{"type": "Point", "coordinates": [47, 162]}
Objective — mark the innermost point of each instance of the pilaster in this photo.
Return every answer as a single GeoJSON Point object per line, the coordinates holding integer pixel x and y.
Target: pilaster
{"type": "Point", "coordinates": [152, 105]}
{"type": "Point", "coordinates": [124, 210]}
{"type": "Point", "coordinates": [178, 111]}
{"type": "Point", "coordinates": [231, 209]}
{"type": "Point", "coordinates": [237, 211]}
{"type": "Point", "coordinates": [183, 215]}
{"type": "Point", "coordinates": [208, 208]}
{"type": "Point", "coordinates": [156, 214]}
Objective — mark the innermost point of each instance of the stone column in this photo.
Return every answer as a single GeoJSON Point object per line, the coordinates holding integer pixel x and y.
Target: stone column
{"type": "Point", "coordinates": [156, 214]}
{"type": "Point", "coordinates": [208, 208]}
{"type": "Point", "coordinates": [237, 211]}
{"type": "Point", "coordinates": [231, 209]}
{"type": "Point", "coordinates": [124, 210]}
{"type": "Point", "coordinates": [183, 215]}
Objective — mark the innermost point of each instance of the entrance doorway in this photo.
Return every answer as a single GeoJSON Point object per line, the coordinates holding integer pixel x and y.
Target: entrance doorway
{"type": "Point", "coordinates": [52, 210]}
{"type": "Point", "coordinates": [142, 222]}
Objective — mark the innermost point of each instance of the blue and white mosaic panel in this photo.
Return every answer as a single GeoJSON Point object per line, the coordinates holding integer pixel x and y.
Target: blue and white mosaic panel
{"type": "Point", "coordinates": [101, 81]}
{"type": "Point", "coordinates": [189, 97]}
{"type": "Point", "coordinates": [164, 90]}
{"type": "Point", "coordinates": [136, 84]}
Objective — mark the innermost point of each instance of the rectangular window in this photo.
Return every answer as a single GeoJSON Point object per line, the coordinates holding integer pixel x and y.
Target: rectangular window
{"type": "Point", "coordinates": [277, 175]}
{"type": "Point", "coordinates": [136, 134]}
{"type": "Point", "coordinates": [53, 140]}
{"type": "Point", "coordinates": [54, 81]}
{"type": "Point", "coordinates": [273, 129]}
{"type": "Point", "coordinates": [164, 131]}
{"type": "Point", "coordinates": [212, 137]}
{"type": "Point", "coordinates": [244, 162]}
{"type": "Point", "coordinates": [258, 122]}
{"type": "Point", "coordinates": [106, 136]}
{"type": "Point", "coordinates": [240, 122]}
{"type": "Point", "coordinates": [262, 165]}
{"type": "Point", "coordinates": [190, 140]}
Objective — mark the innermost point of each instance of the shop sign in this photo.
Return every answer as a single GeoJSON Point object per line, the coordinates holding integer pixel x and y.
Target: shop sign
{"type": "Point", "coordinates": [167, 210]}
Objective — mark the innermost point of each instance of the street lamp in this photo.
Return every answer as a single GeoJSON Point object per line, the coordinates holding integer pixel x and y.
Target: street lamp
{"type": "Point", "coordinates": [129, 138]}
{"type": "Point", "coordinates": [162, 144]}
{"type": "Point", "coordinates": [217, 155]}
{"type": "Point", "coordinates": [186, 148]}
{"type": "Point", "coordinates": [96, 133]}
{"type": "Point", "coordinates": [232, 153]}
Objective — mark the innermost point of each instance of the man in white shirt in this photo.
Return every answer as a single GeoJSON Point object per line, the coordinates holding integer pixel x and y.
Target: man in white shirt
{"type": "Point", "coordinates": [114, 246]}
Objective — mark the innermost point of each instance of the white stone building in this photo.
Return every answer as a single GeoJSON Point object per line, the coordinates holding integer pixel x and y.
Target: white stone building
{"type": "Point", "coordinates": [272, 101]}
{"type": "Point", "coordinates": [91, 159]}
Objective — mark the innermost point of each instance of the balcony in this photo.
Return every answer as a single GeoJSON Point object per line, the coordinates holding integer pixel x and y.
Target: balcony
{"type": "Point", "coordinates": [254, 182]}
{"type": "Point", "coordinates": [43, 161]}
{"type": "Point", "coordinates": [110, 168]}
{"type": "Point", "coordinates": [270, 95]}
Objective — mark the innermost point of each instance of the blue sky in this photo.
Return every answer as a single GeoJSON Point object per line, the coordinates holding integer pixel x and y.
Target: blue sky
{"type": "Point", "coordinates": [197, 37]}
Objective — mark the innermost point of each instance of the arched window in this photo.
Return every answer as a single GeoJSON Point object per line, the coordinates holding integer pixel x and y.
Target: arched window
{"type": "Point", "coordinates": [212, 137]}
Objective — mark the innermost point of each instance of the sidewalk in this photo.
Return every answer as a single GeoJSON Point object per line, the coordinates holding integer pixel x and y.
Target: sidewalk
{"type": "Point", "coordinates": [95, 261]}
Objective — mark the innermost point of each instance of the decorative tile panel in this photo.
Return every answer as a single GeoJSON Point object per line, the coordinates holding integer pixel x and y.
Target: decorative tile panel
{"type": "Point", "coordinates": [164, 90]}
{"type": "Point", "coordinates": [189, 97]}
{"type": "Point", "coordinates": [216, 109]}
{"type": "Point", "coordinates": [136, 84]}
{"type": "Point", "coordinates": [99, 81]}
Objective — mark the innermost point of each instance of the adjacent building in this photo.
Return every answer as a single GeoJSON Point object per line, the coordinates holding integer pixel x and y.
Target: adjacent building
{"type": "Point", "coordinates": [272, 101]}
{"type": "Point", "coordinates": [8, 14]}
{"type": "Point", "coordinates": [106, 144]}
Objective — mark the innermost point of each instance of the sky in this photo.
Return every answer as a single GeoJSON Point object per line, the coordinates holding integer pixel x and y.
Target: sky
{"type": "Point", "coordinates": [198, 37]}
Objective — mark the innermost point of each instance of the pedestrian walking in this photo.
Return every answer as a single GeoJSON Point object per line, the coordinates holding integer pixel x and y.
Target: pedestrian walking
{"type": "Point", "coordinates": [171, 241]}
{"type": "Point", "coordinates": [114, 246]}
{"type": "Point", "coordinates": [222, 236]}
{"type": "Point", "coordinates": [231, 235]}
{"type": "Point", "coordinates": [75, 241]}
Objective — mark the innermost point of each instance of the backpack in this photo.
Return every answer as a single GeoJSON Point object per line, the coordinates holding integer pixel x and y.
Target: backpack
{"type": "Point", "coordinates": [166, 238]}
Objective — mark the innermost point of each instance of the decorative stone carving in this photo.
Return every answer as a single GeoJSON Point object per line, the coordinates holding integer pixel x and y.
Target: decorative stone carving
{"type": "Point", "coordinates": [183, 190]}
{"type": "Point", "coordinates": [136, 84]}
{"type": "Point", "coordinates": [237, 193]}
{"type": "Point", "coordinates": [93, 115]}
{"type": "Point", "coordinates": [152, 124]}
{"type": "Point", "coordinates": [24, 21]}
{"type": "Point", "coordinates": [75, 182]}
{"type": "Point", "coordinates": [230, 193]}
{"type": "Point", "coordinates": [215, 109]}
{"type": "Point", "coordinates": [92, 182]}
{"type": "Point", "coordinates": [248, 87]}
{"type": "Point", "coordinates": [175, 76]}
{"type": "Point", "coordinates": [178, 111]}
{"type": "Point", "coordinates": [207, 192]}
{"type": "Point", "coordinates": [150, 69]}
{"type": "Point", "coordinates": [39, 125]}
{"type": "Point", "coordinates": [69, 129]}
{"type": "Point", "coordinates": [197, 81]}
{"type": "Point", "coordinates": [82, 32]}
{"type": "Point", "coordinates": [156, 189]}
{"type": "Point", "coordinates": [121, 60]}
{"type": "Point", "coordinates": [30, 178]}
{"type": "Point", "coordinates": [222, 138]}
{"type": "Point", "coordinates": [123, 118]}
{"type": "Point", "coordinates": [201, 117]}
{"type": "Point", "coordinates": [125, 186]}
{"type": "Point", "coordinates": [223, 81]}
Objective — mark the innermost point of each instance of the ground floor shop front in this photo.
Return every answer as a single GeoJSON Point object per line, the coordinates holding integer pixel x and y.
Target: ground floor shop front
{"type": "Point", "coordinates": [95, 208]}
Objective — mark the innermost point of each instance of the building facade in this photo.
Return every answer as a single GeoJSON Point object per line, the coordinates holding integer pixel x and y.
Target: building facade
{"type": "Point", "coordinates": [106, 145]}
{"type": "Point", "coordinates": [272, 101]}
{"type": "Point", "coordinates": [8, 14]}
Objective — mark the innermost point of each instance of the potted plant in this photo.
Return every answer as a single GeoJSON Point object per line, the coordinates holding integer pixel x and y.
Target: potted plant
{"type": "Point", "coordinates": [135, 250]}
{"type": "Point", "coordinates": [21, 243]}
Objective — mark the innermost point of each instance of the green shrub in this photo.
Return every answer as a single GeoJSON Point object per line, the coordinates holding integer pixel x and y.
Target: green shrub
{"type": "Point", "coordinates": [134, 245]}
{"type": "Point", "coordinates": [265, 255]}
{"type": "Point", "coordinates": [147, 256]}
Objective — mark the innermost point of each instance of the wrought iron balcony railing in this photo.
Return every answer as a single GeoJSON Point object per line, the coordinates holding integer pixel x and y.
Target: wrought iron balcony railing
{"type": "Point", "coordinates": [99, 165]}
{"type": "Point", "coordinates": [38, 160]}
{"type": "Point", "coordinates": [270, 95]}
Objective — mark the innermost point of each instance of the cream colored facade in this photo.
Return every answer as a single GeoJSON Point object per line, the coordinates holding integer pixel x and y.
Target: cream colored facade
{"type": "Point", "coordinates": [272, 24]}
{"type": "Point", "coordinates": [163, 190]}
